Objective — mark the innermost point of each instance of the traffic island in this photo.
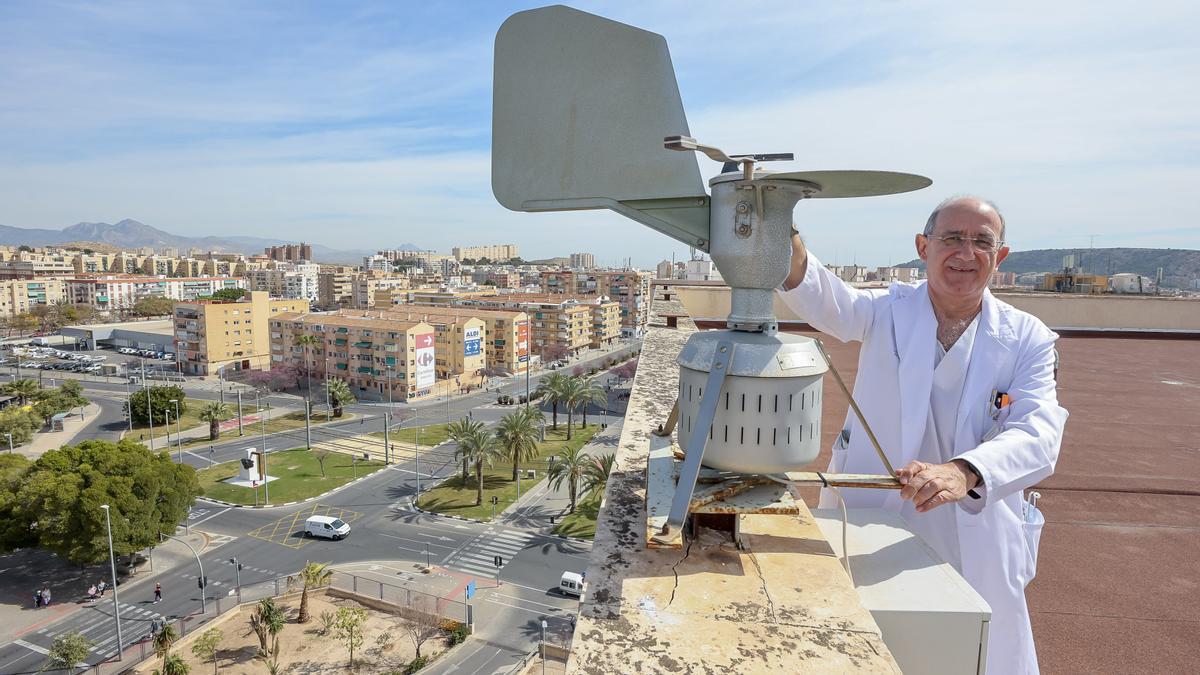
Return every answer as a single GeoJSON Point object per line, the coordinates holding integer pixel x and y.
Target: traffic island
{"type": "Point", "coordinates": [296, 475]}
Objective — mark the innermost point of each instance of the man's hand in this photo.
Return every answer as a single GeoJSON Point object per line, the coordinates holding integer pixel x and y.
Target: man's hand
{"type": "Point", "coordinates": [931, 485]}
{"type": "Point", "coordinates": [799, 263]}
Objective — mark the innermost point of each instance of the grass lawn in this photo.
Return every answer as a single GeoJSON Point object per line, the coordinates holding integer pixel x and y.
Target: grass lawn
{"type": "Point", "coordinates": [582, 523]}
{"type": "Point", "coordinates": [430, 435]}
{"type": "Point", "coordinates": [299, 476]}
{"type": "Point", "coordinates": [253, 430]}
{"type": "Point", "coordinates": [191, 419]}
{"type": "Point", "coordinates": [455, 497]}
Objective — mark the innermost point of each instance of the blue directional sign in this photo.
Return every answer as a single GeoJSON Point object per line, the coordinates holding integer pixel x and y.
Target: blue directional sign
{"type": "Point", "coordinates": [470, 590]}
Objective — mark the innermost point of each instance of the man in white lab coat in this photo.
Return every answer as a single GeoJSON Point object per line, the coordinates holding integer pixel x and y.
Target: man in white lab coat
{"type": "Point", "coordinates": [959, 389]}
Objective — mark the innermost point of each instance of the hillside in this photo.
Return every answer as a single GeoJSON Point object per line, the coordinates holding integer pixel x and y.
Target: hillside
{"type": "Point", "coordinates": [131, 234]}
{"type": "Point", "coordinates": [1179, 266]}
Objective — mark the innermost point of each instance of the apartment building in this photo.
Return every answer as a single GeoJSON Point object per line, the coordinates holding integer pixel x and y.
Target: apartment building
{"type": "Point", "coordinates": [494, 252]}
{"type": "Point", "coordinates": [583, 260]}
{"type": "Point", "coordinates": [367, 287]}
{"type": "Point", "coordinates": [115, 292]}
{"type": "Point", "coordinates": [459, 339]}
{"type": "Point", "coordinates": [289, 252]}
{"type": "Point", "coordinates": [506, 336]}
{"type": "Point", "coordinates": [630, 288]}
{"type": "Point", "coordinates": [335, 286]}
{"type": "Point", "coordinates": [497, 278]}
{"type": "Point", "coordinates": [18, 296]}
{"type": "Point", "coordinates": [389, 357]}
{"type": "Point", "coordinates": [297, 283]}
{"type": "Point", "coordinates": [40, 267]}
{"type": "Point", "coordinates": [92, 263]}
{"type": "Point", "coordinates": [212, 335]}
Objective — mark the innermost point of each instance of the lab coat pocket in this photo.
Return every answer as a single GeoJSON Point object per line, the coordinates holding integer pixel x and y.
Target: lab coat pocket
{"type": "Point", "coordinates": [840, 451]}
{"type": "Point", "coordinates": [1031, 528]}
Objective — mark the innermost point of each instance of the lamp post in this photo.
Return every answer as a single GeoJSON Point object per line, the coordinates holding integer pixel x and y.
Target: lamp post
{"type": "Point", "coordinates": [328, 407]}
{"type": "Point", "coordinates": [112, 562]}
{"type": "Point", "coordinates": [391, 407]}
{"type": "Point", "coordinates": [149, 410]}
{"type": "Point", "coordinates": [128, 400]}
{"type": "Point", "coordinates": [167, 414]}
{"type": "Point", "coordinates": [203, 581]}
{"type": "Point", "coordinates": [543, 647]}
{"type": "Point", "coordinates": [178, 432]}
{"type": "Point", "coordinates": [263, 416]}
{"type": "Point", "coordinates": [10, 443]}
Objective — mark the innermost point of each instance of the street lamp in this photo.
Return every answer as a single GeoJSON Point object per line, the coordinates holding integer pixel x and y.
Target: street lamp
{"type": "Point", "coordinates": [543, 647]}
{"type": "Point", "coordinates": [10, 443]}
{"type": "Point", "coordinates": [149, 410]}
{"type": "Point", "coordinates": [112, 562]}
{"type": "Point", "coordinates": [178, 432]}
{"type": "Point", "coordinates": [263, 416]}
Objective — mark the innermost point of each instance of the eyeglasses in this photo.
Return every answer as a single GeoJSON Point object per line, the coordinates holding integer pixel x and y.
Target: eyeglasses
{"type": "Point", "coordinates": [981, 244]}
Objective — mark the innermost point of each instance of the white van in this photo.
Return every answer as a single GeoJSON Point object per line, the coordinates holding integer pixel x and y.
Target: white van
{"type": "Point", "coordinates": [571, 583]}
{"type": "Point", "coordinates": [326, 526]}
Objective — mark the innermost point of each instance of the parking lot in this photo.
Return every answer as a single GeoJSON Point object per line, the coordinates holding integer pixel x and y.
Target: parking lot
{"type": "Point", "coordinates": [122, 361]}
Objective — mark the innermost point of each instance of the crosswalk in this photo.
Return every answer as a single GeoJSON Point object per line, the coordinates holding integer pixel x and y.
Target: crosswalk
{"type": "Point", "coordinates": [98, 626]}
{"type": "Point", "coordinates": [478, 557]}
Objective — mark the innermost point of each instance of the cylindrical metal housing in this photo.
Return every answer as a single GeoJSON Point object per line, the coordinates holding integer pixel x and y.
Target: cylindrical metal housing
{"type": "Point", "coordinates": [768, 417]}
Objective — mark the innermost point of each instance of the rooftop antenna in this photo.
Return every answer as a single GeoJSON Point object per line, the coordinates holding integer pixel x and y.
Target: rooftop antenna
{"type": "Point", "coordinates": [587, 114]}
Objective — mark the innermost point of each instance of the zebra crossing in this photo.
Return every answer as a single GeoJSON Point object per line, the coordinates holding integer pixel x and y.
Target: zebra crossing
{"type": "Point", "coordinates": [478, 556]}
{"type": "Point", "coordinates": [98, 626]}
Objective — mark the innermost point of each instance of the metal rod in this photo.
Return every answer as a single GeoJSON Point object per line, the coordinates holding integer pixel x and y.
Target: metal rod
{"type": "Point", "coordinates": [853, 405]}
{"type": "Point", "coordinates": [112, 561]}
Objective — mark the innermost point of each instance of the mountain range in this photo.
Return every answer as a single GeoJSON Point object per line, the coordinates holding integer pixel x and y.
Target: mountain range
{"type": "Point", "coordinates": [133, 234]}
{"type": "Point", "coordinates": [1179, 266]}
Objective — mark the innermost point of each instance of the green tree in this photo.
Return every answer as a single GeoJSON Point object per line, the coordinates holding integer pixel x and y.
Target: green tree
{"type": "Point", "coordinates": [314, 575]}
{"type": "Point", "coordinates": [348, 625]}
{"type": "Point", "coordinates": [205, 646]}
{"type": "Point", "coordinates": [160, 404]}
{"type": "Point", "coordinates": [267, 621]}
{"type": "Point", "coordinates": [517, 434]}
{"type": "Point", "coordinates": [214, 413]}
{"type": "Point", "coordinates": [50, 402]}
{"type": "Point", "coordinates": [551, 388]}
{"type": "Point", "coordinates": [590, 393]}
{"type": "Point", "coordinates": [339, 395]}
{"type": "Point", "coordinates": [459, 430]}
{"type": "Point", "coordinates": [229, 294]}
{"type": "Point", "coordinates": [24, 390]}
{"type": "Point", "coordinates": [69, 650]}
{"type": "Point", "coordinates": [480, 448]}
{"type": "Point", "coordinates": [153, 306]}
{"type": "Point", "coordinates": [175, 665]}
{"type": "Point", "coordinates": [596, 473]}
{"type": "Point", "coordinates": [572, 394]}
{"type": "Point", "coordinates": [57, 506]}
{"type": "Point", "coordinates": [307, 341]}
{"type": "Point", "coordinates": [570, 467]}
{"type": "Point", "coordinates": [20, 423]}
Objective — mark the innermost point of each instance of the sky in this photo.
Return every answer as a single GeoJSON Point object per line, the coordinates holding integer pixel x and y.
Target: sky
{"type": "Point", "coordinates": [367, 124]}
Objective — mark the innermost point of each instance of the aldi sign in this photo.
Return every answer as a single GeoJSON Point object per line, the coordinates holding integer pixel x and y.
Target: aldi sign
{"type": "Point", "coordinates": [473, 341]}
{"type": "Point", "coordinates": [426, 375]}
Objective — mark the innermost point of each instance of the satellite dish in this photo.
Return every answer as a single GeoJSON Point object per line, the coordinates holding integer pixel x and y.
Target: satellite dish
{"type": "Point", "coordinates": [587, 115]}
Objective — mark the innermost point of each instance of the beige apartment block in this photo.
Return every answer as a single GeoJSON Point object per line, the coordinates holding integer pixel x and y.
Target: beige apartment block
{"type": "Point", "coordinates": [39, 267]}
{"type": "Point", "coordinates": [367, 286]}
{"type": "Point", "coordinates": [211, 335]}
{"type": "Point", "coordinates": [459, 340]}
{"type": "Point", "coordinates": [493, 252]}
{"type": "Point", "coordinates": [18, 296]}
{"type": "Point", "coordinates": [606, 320]}
{"type": "Point", "coordinates": [92, 263]}
{"type": "Point", "coordinates": [630, 288]}
{"type": "Point", "coordinates": [369, 353]}
{"type": "Point", "coordinates": [443, 296]}
{"type": "Point", "coordinates": [335, 286]}
{"type": "Point", "coordinates": [506, 344]}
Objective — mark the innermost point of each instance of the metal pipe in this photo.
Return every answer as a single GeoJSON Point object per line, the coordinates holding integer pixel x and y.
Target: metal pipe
{"type": "Point", "coordinates": [112, 562]}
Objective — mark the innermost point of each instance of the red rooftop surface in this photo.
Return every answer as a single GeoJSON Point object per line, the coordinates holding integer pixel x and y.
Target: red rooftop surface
{"type": "Point", "coordinates": [1118, 582]}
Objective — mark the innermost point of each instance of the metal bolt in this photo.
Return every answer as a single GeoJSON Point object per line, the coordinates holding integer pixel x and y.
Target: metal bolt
{"type": "Point", "coordinates": [743, 230]}
{"type": "Point", "coordinates": [743, 207]}
{"type": "Point", "coordinates": [723, 349]}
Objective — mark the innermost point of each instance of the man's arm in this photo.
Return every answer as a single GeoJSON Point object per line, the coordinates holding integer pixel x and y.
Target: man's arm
{"type": "Point", "coordinates": [823, 300]}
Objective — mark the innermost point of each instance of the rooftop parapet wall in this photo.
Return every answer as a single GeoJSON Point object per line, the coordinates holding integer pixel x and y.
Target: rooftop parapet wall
{"type": "Point", "coordinates": [783, 604]}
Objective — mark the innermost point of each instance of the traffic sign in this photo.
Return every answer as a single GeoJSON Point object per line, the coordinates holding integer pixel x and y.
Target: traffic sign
{"type": "Point", "coordinates": [495, 500]}
{"type": "Point", "coordinates": [499, 562]}
{"type": "Point", "coordinates": [470, 590]}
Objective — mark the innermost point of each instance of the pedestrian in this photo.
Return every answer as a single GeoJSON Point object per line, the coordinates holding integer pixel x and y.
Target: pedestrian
{"type": "Point", "coordinates": [37, 598]}
{"type": "Point", "coordinates": [101, 586]}
{"type": "Point", "coordinates": [157, 592]}
{"type": "Point", "coordinates": [46, 597]}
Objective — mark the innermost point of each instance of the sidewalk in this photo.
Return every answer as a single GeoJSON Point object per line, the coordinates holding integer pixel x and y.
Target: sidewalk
{"type": "Point", "coordinates": [27, 570]}
{"type": "Point", "coordinates": [44, 441]}
{"type": "Point", "coordinates": [536, 509]}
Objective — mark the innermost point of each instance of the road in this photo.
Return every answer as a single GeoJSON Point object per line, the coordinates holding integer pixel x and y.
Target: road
{"type": "Point", "coordinates": [511, 602]}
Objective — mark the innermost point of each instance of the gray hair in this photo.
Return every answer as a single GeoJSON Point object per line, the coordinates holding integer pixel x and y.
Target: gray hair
{"type": "Point", "coordinates": [958, 198]}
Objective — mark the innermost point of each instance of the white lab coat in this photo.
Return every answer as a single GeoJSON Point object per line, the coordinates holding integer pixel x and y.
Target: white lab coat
{"type": "Point", "coordinates": [1014, 353]}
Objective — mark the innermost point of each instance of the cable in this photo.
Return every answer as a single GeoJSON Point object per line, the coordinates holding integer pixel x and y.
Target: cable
{"type": "Point", "coordinates": [845, 517]}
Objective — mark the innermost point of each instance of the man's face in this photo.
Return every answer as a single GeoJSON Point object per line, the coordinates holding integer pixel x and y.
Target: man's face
{"type": "Point", "coordinates": [957, 260]}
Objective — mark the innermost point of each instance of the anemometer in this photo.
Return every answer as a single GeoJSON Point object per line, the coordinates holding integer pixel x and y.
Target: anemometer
{"type": "Point", "coordinates": [587, 115]}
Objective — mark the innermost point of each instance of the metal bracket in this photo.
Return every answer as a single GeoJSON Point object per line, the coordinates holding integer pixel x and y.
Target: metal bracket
{"type": "Point", "coordinates": [668, 427]}
{"type": "Point", "coordinates": [694, 453]}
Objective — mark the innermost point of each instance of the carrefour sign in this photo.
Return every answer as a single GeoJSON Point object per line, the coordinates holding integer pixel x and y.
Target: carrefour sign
{"type": "Point", "coordinates": [473, 341]}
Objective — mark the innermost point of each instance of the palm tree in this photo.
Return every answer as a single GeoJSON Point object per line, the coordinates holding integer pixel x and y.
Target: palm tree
{"type": "Point", "coordinates": [457, 431]}
{"type": "Point", "coordinates": [589, 394]}
{"type": "Point", "coordinates": [595, 475]}
{"type": "Point", "coordinates": [175, 665]}
{"type": "Point", "coordinates": [163, 640]}
{"type": "Point", "coordinates": [572, 394]}
{"type": "Point", "coordinates": [551, 389]}
{"type": "Point", "coordinates": [214, 413]}
{"type": "Point", "coordinates": [315, 575]}
{"type": "Point", "coordinates": [307, 341]}
{"type": "Point", "coordinates": [517, 434]}
{"type": "Point", "coordinates": [480, 447]}
{"type": "Point", "coordinates": [22, 389]}
{"type": "Point", "coordinates": [267, 622]}
{"type": "Point", "coordinates": [570, 466]}
{"type": "Point", "coordinates": [339, 395]}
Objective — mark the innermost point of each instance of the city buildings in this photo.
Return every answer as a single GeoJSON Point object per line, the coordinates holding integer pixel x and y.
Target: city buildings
{"type": "Point", "coordinates": [18, 296]}
{"type": "Point", "coordinates": [293, 281]}
{"type": "Point", "coordinates": [289, 252]}
{"type": "Point", "coordinates": [630, 288]}
{"type": "Point", "coordinates": [583, 260]}
{"type": "Point", "coordinates": [366, 288]}
{"type": "Point", "coordinates": [565, 323]}
{"type": "Point", "coordinates": [117, 292]}
{"type": "Point", "coordinates": [389, 357]}
{"type": "Point", "coordinates": [335, 286]}
{"type": "Point", "coordinates": [211, 335]}
{"type": "Point", "coordinates": [493, 252]}
{"type": "Point", "coordinates": [505, 338]}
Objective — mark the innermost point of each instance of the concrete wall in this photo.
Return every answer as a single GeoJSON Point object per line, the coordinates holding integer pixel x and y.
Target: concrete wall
{"type": "Point", "coordinates": [1056, 310]}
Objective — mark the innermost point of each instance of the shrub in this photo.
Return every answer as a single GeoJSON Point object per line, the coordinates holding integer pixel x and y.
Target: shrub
{"type": "Point", "coordinates": [416, 664]}
{"type": "Point", "coordinates": [456, 631]}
